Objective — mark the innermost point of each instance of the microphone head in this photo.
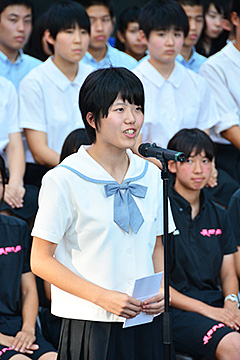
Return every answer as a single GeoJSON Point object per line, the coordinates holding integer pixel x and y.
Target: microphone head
{"type": "Point", "coordinates": [142, 149]}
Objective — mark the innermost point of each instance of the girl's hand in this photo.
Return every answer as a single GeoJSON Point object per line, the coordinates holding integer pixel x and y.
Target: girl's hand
{"type": "Point", "coordinates": [154, 305]}
{"type": "Point", "coordinates": [24, 342]}
{"type": "Point", "coordinates": [121, 304]}
{"type": "Point", "coordinates": [14, 195]}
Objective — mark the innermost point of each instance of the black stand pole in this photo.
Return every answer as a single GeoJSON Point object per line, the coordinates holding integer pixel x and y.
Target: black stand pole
{"type": "Point", "coordinates": [167, 326]}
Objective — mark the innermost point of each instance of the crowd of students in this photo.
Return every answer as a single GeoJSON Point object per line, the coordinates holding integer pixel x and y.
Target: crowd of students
{"type": "Point", "coordinates": [72, 102]}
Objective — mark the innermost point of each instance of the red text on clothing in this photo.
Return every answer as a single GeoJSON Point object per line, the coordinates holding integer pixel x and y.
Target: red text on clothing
{"type": "Point", "coordinates": [9, 249]}
{"type": "Point", "coordinates": [208, 336]}
{"type": "Point", "coordinates": [210, 232]}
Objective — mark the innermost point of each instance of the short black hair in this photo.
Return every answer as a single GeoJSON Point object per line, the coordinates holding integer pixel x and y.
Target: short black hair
{"type": "Point", "coordinates": [188, 140]}
{"type": "Point", "coordinates": [5, 3]}
{"type": "Point", "coordinates": [219, 5]}
{"type": "Point", "coordinates": [162, 15]}
{"type": "Point", "coordinates": [107, 3]}
{"type": "Point", "coordinates": [65, 15]}
{"type": "Point", "coordinates": [190, 2]}
{"type": "Point", "coordinates": [101, 88]}
{"type": "Point", "coordinates": [73, 141]}
{"type": "Point", "coordinates": [3, 174]}
{"type": "Point", "coordinates": [128, 15]}
{"type": "Point", "coordinates": [236, 6]}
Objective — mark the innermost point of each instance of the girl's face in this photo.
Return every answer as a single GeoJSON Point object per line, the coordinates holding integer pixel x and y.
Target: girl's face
{"type": "Point", "coordinates": [213, 21]}
{"type": "Point", "coordinates": [134, 44]}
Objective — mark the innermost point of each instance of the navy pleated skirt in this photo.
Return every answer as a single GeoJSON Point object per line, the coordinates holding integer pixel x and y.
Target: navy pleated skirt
{"type": "Point", "coordinates": [93, 340]}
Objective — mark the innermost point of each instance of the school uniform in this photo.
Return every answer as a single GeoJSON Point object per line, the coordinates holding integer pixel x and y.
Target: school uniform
{"type": "Point", "coordinates": [194, 63]}
{"type": "Point", "coordinates": [222, 71]}
{"type": "Point", "coordinates": [113, 57]}
{"type": "Point", "coordinates": [14, 261]}
{"type": "Point", "coordinates": [197, 249]}
{"type": "Point", "coordinates": [184, 100]}
{"type": "Point", "coordinates": [93, 245]}
{"type": "Point", "coordinates": [16, 71]}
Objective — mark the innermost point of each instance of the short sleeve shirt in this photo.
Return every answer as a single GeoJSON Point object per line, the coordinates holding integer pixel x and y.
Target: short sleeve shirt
{"type": "Point", "coordinates": [8, 112]}
{"type": "Point", "coordinates": [198, 246]}
{"type": "Point", "coordinates": [48, 102]}
{"type": "Point", "coordinates": [79, 218]}
{"type": "Point", "coordinates": [14, 261]}
{"type": "Point", "coordinates": [184, 100]}
{"type": "Point", "coordinates": [222, 72]}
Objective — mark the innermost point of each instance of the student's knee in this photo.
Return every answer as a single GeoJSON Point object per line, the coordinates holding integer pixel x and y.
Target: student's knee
{"type": "Point", "coordinates": [229, 347]}
{"type": "Point", "coordinates": [49, 356]}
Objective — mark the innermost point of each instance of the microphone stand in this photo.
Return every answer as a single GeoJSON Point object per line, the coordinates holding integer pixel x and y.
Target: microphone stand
{"type": "Point", "coordinates": [167, 325]}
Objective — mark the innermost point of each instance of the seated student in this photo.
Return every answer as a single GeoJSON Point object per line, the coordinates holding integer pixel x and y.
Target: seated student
{"type": "Point", "coordinates": [222, 71]}
{"type": "Point", "coordinates": [213, 37]}
{"type": "Point", "coordinates": [175, 97]}
{"type": "Point", "coordinates": [90, 254]}
{"type": "Point", "coordinates": [100, 54]}
{"type": "Point", "coordinates": [15, 28]}
{"type": "Point", "coordinates": [20, 338]}
{"type": "Point", "coordinates": [205, 317]}
{"type": "Point", "coordinates": [128, 34]}
{"type": "Point", "coordinates": [188, 56]}
{"type": "Point", "coordinates": [48, 95]}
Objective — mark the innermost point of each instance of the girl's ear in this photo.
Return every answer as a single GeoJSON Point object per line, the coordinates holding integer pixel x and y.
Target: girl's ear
{"type": "Point", "coordinates": [235, 19]}
{"type": "Point", "coordinates": [90, 119]}
{"type": "Point", "coordinates": [172, 166]}
{"type": "Point", "coordinates": [49, 37]}
{"type": "Point", "coordinates": [226, 25]}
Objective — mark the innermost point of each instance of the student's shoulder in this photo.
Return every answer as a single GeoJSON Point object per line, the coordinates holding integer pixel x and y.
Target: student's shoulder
{"type": "Point", "coordinates": [219, 61]}
{"type": "Point", "coordinates": [121, 58]}
{"type": "Point", "coordinates": [37, 74]}
{"type": "Point", "coordinates": [191, 77]}
{"type": "Point", "coordinates": [31, 60]}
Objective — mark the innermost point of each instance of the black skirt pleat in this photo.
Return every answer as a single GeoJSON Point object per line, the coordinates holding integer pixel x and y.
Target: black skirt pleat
{"type": "Point", "coordinates": [93, 340]}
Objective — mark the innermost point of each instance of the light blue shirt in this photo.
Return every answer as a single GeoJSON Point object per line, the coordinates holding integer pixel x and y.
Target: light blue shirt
{"type": "Point", "coordinates": [113, 57]}
{"type": "Point", "coordinates": [17, 70]}
{"type": "Point", "coordinates": [194, 63]}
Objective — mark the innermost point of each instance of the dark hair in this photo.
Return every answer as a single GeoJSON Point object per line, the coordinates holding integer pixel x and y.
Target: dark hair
{"type": "Point", "coordinates": [190, 2]}
{"type": "Point", "coordinates": [162, 15]}
{"type": "Point", "coordinates": [101, 88]}
{"type": "Point", "coordinates": [3, 174]}
{"type": "Point", "coordinates": [236, 6]}
{"type": "Point", "coordinates": [128, 15]}
{"type": "Point", "coordinates": [220, 42]}
{"type": "Point", "coordinates": [65, 15]}
{"type": "Point", "coordinates": [73, 142]}
{"type": "Point", "coordinates": [107, 3]}
{"type": "Point", "coordinates": [187, 140]}
{"type": "Point", "coordinates": [5, 3]}
{"type": "Point", "coordinates": [34, 45]}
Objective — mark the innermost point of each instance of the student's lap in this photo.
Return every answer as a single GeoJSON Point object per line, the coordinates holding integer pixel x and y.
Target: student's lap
{"type": "Point", "coordinates": [10, 325]}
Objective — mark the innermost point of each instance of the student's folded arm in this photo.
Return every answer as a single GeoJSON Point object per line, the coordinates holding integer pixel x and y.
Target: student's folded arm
{"type": "Point", "coordinates": [38, 144]}
{"type": "Point", "coordinates": [14, 191]}
{"type": "Point", "coordinates": [50, 269]}
{"type": "Point", "coordinates": [229, 280]}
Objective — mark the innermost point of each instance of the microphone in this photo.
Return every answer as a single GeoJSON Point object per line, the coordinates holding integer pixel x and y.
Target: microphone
{"type": "Point", "coordinates": [152, 150]}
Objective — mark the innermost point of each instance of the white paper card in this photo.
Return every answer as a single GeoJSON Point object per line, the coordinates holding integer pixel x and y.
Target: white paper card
{"type": "Point", "coordinates": [144, 288]}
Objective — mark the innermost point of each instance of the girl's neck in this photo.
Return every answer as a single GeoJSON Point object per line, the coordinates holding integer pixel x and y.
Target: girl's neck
{"type": "Point", "coordinates": [70, 70]}
{"type": "Point", "coordinates": [115, 163]}
{"type": "Point", "coordinates": [186, 52]}
{"type": "Point", "coordinates": [165, 69]}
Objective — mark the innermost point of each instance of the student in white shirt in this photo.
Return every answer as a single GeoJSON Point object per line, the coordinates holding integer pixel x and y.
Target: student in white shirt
{"type": "Point", "coordinates": [15, 29]}
{"type": "Point", "coordinates": [175, 97]}
{"type": "Point", "coordinates": [188, 56]}
{"type": "Point", "coordinates": [100, 54]}
{"type": "Point", "coordinates": [89, 247]}
{"type": "Point", "coordinates": [48, 95]}
{"type": "Point", "coordinates": [222, 71]}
